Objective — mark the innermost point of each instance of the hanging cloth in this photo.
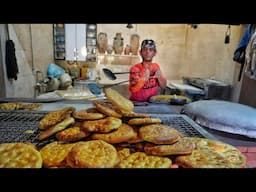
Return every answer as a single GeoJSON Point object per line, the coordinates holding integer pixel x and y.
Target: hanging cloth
{"type": "Point", "coordinates": [250, 58]}
{"type": "Point", "coordinates": [10, 58]}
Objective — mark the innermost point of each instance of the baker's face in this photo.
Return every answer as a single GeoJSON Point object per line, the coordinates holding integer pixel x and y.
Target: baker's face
{"type": "Point", "coordinates": [147, 53]}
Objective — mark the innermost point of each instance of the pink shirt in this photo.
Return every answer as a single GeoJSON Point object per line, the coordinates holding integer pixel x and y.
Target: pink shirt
{"type": "Point", "coordinates": [145, 89]}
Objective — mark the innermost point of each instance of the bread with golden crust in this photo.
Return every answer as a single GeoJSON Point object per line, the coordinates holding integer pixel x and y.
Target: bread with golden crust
{"type": "Point", "coordinates": [85, 115]}
{"type": "Point", "coordinates": [92, 154]}
{"type": "Point", "coordinates": [106, 109]}
{"type": "Point", "coordinates": [10, 105]}
{"type": "Point", "coordinates": [71, 134]}
{"type": "Point", "coordinates": [211, 153]}
{"type": "Point", "coordinates": [56, 128]}
{"type": "Point", "coordinates": [54, 117]}
{"type": "Point", "coordinates": [144, 121]}
{"type": "Point", "coordinates": [19, 155]}
{"type": "Point", "coordinates": [159, 134]}
{"type": "Point", "coordinates": [123, 134]}
{"type": "Point", "coordinates": [31, 106]}
{"type": "Point", "coordinates": [102, 125]}
{"type": "Point", "coordinates": [54, 154]}
{"type": "Point", "coordinates": [133, 114]}
{"type": "Point", "coordinates": [182, 147]}
{"type": "Point", "coordinates": [118, 101]}
{"type": "Point", "coordinates": [142, 160]}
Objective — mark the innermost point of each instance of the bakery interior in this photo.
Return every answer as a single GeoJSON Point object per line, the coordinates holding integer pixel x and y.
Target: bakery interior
{"type": "Point", "coordinates": [62, 65]}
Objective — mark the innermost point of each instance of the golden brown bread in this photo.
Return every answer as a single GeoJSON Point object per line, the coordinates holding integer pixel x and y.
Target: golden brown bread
{"type": "Point", "coordinates": [85, 115]}
{"type": "Point", "coordinates": [71, 134]}
{"type": "Point", "coordinates": [159, 134]}
{"type": "Point", "coordinates": [19, 155]}
{"type": "Point", "coordinates": [182, 147]}
{"type": "Point", "coordinates": [55, 117]}
{"type": "Point", "coordinates": [133, 114]}
{"type": "Point", "coordinates": [123, 134]}
{"type": "Point", "coordinates": [102, 126]}
{"type": "Point", "coordinates": [92, 154]}
{"type": "Point", "coordinates": [54, 154]}
{"type": "Point", "coordinates": [117, 100]}
{"type": "Point", "coordinates": [142, 160]}
{"type": "Point", "coordinates": [144, 121]}
{"type": "Point", "coordinates": [56, 128]}
{"type": "Point", "coordinates": [107, 110]}
{"type": "Point", "coordinates": [211, 153]}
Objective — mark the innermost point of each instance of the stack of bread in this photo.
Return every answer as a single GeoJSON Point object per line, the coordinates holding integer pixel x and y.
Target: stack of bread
{"type": "Point", "coordinates": [112, 135]}
{"type": "Point", "coordinates": [20, 106]}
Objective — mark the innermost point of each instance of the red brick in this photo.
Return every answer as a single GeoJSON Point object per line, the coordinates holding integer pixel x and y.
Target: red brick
{"type": "Point", "coordinates": [242, 149]}
{"type": "Point", "coordinates": [175, 166]}
{"type": "Point", "coordinates": [252, 149]}
{"type": "Point", "coordinates": [250, 156]}
{"type": "Point", "coordinates": [251, 164]}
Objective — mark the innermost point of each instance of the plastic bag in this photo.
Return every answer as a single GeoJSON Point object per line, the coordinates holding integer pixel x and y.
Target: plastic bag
{"type": "Point", "coordinates": [55, 71]}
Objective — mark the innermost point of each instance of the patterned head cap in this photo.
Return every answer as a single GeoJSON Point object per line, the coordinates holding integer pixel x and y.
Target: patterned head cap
{"type": "Point", "coordinates": [148, 43]}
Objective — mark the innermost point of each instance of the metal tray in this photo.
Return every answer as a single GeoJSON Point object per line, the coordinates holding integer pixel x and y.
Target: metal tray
{"type": "Point", "coordinates": [184, 124]}
{"type": "Point", "coordinates": [22, 126]}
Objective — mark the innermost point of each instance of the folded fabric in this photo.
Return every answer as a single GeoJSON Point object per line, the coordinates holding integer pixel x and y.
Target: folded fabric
{"type": "Point", "coordinates": [224, 116]}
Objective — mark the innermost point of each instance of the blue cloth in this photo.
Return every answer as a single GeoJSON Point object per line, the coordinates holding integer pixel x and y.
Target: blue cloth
{"type": "Point", "coordinates": [245, 40]}
{"type": "Point", "coordinates": [239, 54]}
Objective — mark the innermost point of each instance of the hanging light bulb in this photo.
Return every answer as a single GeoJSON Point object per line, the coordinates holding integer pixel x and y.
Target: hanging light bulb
{"type": "Point", "coordinates": [129, 26]}
{"type": "Point", "coordinates": [227, 35]}
{"type": "Point", "coordinates": [194, 26]}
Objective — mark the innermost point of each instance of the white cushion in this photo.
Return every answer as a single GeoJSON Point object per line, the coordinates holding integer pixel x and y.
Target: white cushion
{"type": "Point", "coordinates": [224, 116]}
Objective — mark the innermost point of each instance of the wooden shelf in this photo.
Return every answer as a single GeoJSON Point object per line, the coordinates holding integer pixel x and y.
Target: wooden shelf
{"type": "Point", "coordinates": [117, 59]}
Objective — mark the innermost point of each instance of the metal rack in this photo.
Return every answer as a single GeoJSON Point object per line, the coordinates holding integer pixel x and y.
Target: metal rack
{"type": "Point", "coordinates": [184, 125]}
{"type": "Point", "coordinates": [22, 126]}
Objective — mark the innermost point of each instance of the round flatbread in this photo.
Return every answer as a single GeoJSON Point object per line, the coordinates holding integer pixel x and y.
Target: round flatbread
{"type": "Point", "coordinates": [142, 160]}
{"type": "Point", "coordinates": [85, 115]}
{"type": "Point", "coordinates": [106, 109]}
{"type": "Point", "coordinates": [212, 154]}
{"type": "Point", "coordinates": [102, 126]}
{"type": "Point", "coordinates": [159, 134]}
{"type": "Point", "coordinates": [71, 134]}
{"type": "Point", "coordinates": [182, 147]}
{"type": "Point", "coordinates": [168, 98]}
{"type": "Point", "coordinates": [55, 153]}
{"type": "Point", "coordinates": [92, 154]}
{"type": "Point", "coordinates": [144, 121]}
{"type": "Point", "coordinates": [19, 155]}
{"type": "Point", "coordinates": [123, 134]}
{"type": "Point", "coordinates": [117, 100]}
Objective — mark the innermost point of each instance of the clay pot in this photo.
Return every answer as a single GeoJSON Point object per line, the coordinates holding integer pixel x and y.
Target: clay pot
{"type": "Point", "coordinates": [109, 49]}
{"type": "Point", "coordinates": [127, 50]}
{"type": "Point", "coordinates": [118, 43]}
{"type": "Point", "coordinates": [135, 44]}
{"type": "Point", "coordinates": [102, 42]}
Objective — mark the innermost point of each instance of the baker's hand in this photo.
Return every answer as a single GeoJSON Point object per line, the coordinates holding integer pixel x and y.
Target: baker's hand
{"type": "Point", "coordinates": [146, 75]}
{"type": "Point", "coordinates": [157, 74]}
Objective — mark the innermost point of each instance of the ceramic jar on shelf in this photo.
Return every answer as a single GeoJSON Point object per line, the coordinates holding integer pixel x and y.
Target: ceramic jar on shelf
{"type": "Point", "coordinates": [135, 44]}
{"type": "Point", "coordinates": [118, 44]}
{"type": "Point", "coordinates": [102, 42]}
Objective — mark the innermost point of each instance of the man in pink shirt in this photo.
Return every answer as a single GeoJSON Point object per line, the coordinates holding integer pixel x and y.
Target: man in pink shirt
{"type": "Point", "coordinates": [146, 77]}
